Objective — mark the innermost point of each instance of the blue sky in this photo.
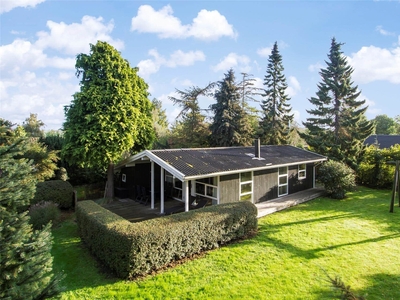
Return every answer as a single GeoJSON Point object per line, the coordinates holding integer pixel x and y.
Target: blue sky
{"type": "Point", "coordinates": [178, 44]}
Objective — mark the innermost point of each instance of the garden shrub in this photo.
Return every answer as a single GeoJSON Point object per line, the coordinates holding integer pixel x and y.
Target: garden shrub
{"type": "Point", "coordinates": [42, 213]}
{"type": "Point", "coordinates": [57, 191]}
{"type": "Point", "coordinates": [337, 178]}
{"type": "Point", "coordinates": [374, 170]}
{"type": "Point", "coordinates": [134, 249]}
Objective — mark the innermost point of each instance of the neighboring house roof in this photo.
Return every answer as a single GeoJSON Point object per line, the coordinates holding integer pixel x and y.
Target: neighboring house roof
{"type": "Point", "coordinates": [196, 163]}
{"type": "Point", "coordinates": [382, 140]}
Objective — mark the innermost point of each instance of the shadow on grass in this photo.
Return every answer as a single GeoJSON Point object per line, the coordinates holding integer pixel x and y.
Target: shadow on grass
{"type": "Point", "coordinates": [382, 286]}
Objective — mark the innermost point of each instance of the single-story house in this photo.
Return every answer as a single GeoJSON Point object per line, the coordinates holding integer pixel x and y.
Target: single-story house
{"type": "Point", "coordinates": [382, 140]}
{"type": "Point", "coordinates": [228, 174]}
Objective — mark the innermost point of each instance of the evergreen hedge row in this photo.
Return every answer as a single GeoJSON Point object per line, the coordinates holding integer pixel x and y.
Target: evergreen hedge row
{"type": "Point", "coordinates": [135, 249]}
{"type": "Point", "coordinates": [57, 191]}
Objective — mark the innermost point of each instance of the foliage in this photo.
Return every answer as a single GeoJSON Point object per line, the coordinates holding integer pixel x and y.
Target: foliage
{"type": "Point", "coordinates": [110, 115]}
{"type": "Point", "coordinates": [374, 170]}
{"type": "Point", "coordinates": [43, 213]}
{"type": "Point", "coordinates": [25, 259]}
{"type": "Point", "coordinates": [337, 177]}
{"type": "Point", "coordinates": [385, 125]}
{"type": "Point", "coordinates": [33, 126]}
{"type": "Point", "coordinates": [338, 126]}
{"type": "Point", "coordinates": [355, 238]}
{"type": "Point", "coordinates": [160, 124]}
{"type": "Point", "coordinates": [275, 125]}
{"type": "Point", "coordinates": [190, 130]}
{"type": "Point", "coordinates": [137, 249]}
{"type": "Point", "coordinates": [231, 124]}
{"type": "Point", "coordinates": [57, 191]}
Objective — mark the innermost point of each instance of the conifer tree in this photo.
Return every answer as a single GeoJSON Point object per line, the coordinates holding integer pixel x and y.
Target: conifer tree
{"type": "Point", "coordinates": [338, 126]}
{"type": "Point", "coordinates": [231, 125]}
{"type": "Point", "coordinates": [25, 258]}
{"type": "Point", "coordinates": [276, 111]}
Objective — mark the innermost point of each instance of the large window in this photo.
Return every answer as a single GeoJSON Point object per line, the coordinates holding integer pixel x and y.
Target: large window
{"type": "Point", "coordinates": [173, 185]}
{"type": "Point", "coordinates": [302, 171]}
{"type": "Point", "coordinates": [282, 181]}
{"type": "Point", "coordinates": [246, 186]}
{"type": "Point", "coordinates": [207, 187]}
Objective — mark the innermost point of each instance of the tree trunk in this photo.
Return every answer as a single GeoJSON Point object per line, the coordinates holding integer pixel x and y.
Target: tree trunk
{"type": "Point", "coordinates": [109, 193]}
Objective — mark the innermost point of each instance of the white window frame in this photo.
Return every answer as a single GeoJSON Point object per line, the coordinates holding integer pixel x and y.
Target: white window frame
{"type": "Point", "coordinates": [205, 188]}
{"type": "Point", "coordinates": [302, 171]}
{"type": "Point", "coordinates": [174, 179]}
{"type": "Point", "coordinates": [285, 184]}
{"type": "Point", "coordinates": [241, 183]}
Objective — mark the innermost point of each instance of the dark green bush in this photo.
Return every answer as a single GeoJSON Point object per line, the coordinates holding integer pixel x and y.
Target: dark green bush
{"type": "Point", "coordinates": [338, 178]}
{"type": "Point", "coordinates": [57, 191]}
{"type": "Point", "coordinates": [134, 249]}
{"type": "Point", "coordinates": [42, 213]}
{"type": "Point", "coordinates": [374, 170]}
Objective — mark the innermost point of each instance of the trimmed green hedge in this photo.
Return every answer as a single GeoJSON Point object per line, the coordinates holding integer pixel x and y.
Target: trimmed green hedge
{"type": "Point", "coordinates": [134, 249]}
{"type": "Point", "coordinates": [57, 191]}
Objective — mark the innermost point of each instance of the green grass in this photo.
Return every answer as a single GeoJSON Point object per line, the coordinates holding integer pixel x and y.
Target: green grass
{"type": "Point", "coordinates": [356, 239]}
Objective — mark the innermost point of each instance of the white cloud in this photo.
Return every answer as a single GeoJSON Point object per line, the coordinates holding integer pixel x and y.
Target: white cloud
{"type": "Point", "coordinates": [293, 86]}
{"type": "Point", "coordinates": [7, 5]}
{"type": "Point", "coordinates": [264, 52]}
{"type": "Point", "coordinates": [374, 63]}
{"type": "Point", "coordinates": [316, 67]}
{"type": "Point", "coordinates": [90, 30]}
{"type": "Point", "coordinates": [233, 60]}
{"type": "Point", "coordinates": [208, 25]}
{"type": "Point", "coordinates": [177, 58]}
{"type": "Point", "coordinates": [383, 31]}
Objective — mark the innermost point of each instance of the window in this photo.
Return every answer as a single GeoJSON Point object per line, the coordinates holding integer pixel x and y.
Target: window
{"type": "Point", "coordinates": [123, 177]}
{"type": "Point", "coordinates": [246, 186]}
{"type": "Point", "coordinates": [207, 187]}
{"type": "Point", "coordinates": [302, 171]}
{"type": "Point", "coordinates": [282, 181]}
{"type": "Point", "coordinates": [173, 185]}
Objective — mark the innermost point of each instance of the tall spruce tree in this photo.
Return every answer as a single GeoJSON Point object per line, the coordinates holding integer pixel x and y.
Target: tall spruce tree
{"type": "Point", "coordinates": [274, 127]}
{"type": "Point", "coordinates": [338, 127]}
{"type": "Point", "coordinates": [231, 125]}
{"type": "Point", "coordinates": [25, 258]}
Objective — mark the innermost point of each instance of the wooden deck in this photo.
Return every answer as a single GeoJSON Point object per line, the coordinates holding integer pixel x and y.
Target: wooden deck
{"type": "Point", "coordinates": [135, 212]}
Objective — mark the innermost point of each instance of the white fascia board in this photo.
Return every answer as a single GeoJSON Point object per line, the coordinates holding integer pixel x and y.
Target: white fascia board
{"type": "Point", "coordinates": [253, 169]}
{"type": "Point", "coordinates": [165, 165]}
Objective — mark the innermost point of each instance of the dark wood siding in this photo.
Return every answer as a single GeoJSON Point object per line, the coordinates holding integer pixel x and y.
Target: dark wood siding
{"type": "Point", "coordinates": [265, 185]}
{"type": "Point", "coordinates": [296, 184]}
{"type": "Point", "coordinates": [229, 188]}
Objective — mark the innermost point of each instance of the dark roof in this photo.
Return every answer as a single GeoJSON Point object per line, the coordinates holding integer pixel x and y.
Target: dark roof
{"type": "Point", "coordinates": [196, 162]}
{"type": "Point", "coordinates": [384, 141]}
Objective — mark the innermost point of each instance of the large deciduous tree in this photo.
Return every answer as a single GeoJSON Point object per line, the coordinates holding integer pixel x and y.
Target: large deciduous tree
{"type": "Point", "coordinates": [338, 126]}
{"type": "Point", "coordinates": [385, 125]}
{"type": "Point", "coordinates": [231, 125]}
{"type": "Point", "coordinates": [275, 124]}
{"type": "Point", "coordinates": [110, 115]}
{"type": "Point", "coordinates": [25, 258]}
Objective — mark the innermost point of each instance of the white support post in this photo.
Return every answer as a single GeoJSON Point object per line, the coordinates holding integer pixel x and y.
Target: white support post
{"type": "Point", "coordinates": [185, 192]}
{"type": "Point", "coordinates": [162, 191]}
{"type": "Point", "coordinates": [152, 184]}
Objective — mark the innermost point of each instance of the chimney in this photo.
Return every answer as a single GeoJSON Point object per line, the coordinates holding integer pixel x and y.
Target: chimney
{"type": "Point", "coordinates": [257, 148]}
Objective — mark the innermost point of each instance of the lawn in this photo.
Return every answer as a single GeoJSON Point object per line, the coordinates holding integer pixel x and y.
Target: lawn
{"type": "Point", "coordinates": [356, 239]}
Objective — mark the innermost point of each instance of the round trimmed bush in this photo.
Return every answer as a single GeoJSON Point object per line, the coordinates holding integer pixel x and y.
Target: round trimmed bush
{"type": "Point", "coordinates": [58, 191]}
{"type": "Point", "coordinates": [337, 178]}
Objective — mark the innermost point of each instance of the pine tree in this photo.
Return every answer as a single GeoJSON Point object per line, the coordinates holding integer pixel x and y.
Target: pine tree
{"type": "Point", "coordinates": [276, 120]}
{"type": "Point", "coordinates": [231, 125]}
{"type": "Point", "coordinates": [338, 127]}
{"type": "Point", "coordinates": [25, 258]}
